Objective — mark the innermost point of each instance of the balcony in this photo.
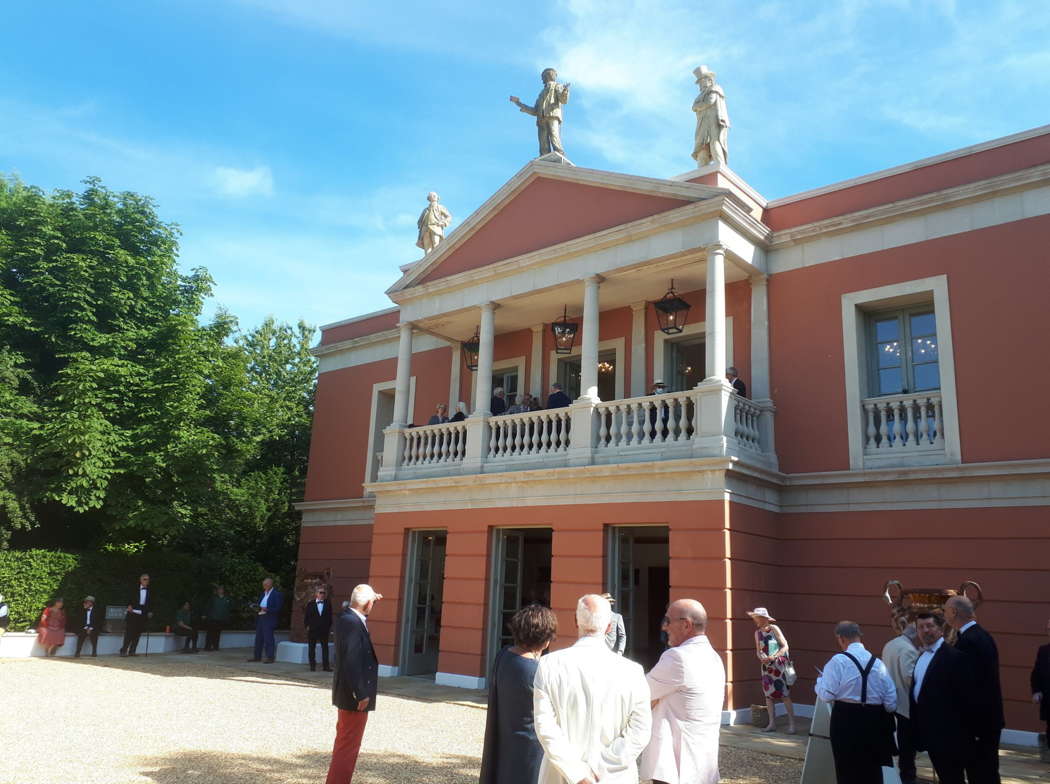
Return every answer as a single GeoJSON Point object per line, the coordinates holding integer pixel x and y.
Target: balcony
{"type": "Point", "coordinates": [903, 430]}
{"type": "Point", "coordinates": [707, 421]}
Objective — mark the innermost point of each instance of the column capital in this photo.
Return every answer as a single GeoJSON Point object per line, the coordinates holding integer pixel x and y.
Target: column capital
{"type": "Point", "coordinates": [403, 324]}
{"type": "Point", "coordinates": [715, 247]}
{"type": "Point", "coordinates": [759, 279]}
{"type": "Point", "coordinates": [594, 279]}
{"type": "Point", "coordinates": [537, 328]}
{"type": "Point", "coordinates": [489, 305]}
{"type": "Point", "coordinates": [636, 306]}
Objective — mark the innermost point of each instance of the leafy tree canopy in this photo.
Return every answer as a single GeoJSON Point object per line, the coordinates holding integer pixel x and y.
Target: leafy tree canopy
{"type": "Point", "coordinates": [123, 417]}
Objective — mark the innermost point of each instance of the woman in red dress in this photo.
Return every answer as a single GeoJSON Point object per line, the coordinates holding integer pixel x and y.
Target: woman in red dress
{"type": "Point", "coordinates": [51, 631]}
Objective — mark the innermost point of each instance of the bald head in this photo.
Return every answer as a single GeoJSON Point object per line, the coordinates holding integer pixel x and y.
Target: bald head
{"type": "Point", "coordinates": [686, 618]}
{"type": "Point", "coordinates": [958, 611]}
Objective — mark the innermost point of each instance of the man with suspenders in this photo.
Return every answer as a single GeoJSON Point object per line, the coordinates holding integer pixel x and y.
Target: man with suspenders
{"type": "Point", "coordinates": [864, 699]}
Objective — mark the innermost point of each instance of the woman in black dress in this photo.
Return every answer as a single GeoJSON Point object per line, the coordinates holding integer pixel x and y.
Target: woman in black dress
{"type": "Point", "coordinates": [512, 755]}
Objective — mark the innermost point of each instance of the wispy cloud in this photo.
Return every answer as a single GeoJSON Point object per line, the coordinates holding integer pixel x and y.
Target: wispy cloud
{"type": "Point", "coordinates": [240, 183]}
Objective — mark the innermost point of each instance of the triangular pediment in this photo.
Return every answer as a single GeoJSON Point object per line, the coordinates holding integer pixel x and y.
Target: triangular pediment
{"type": "Point", "coordinates": [543, 205]}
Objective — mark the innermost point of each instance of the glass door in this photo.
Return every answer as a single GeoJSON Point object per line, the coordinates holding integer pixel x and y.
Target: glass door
{"type": "Point", "coordinates": [423, 599]}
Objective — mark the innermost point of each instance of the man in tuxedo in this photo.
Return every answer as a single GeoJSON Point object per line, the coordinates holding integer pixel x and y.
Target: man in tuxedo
{"type": "Point", "coordinates": [266, 622]}
{"type": "Point", "coordinates": [318, 617]}
{"type": "Point", "coordinates": [940, 702]}
{"type": "Point", "coordinates": [137, 616]}
{"type": "Point", "coordinates": [89, 627]}
{"type": "Point", "coordinates": [355, 683]}
{"type": "Point", "coordinates": [1040, 680]}
{"type": "Point", "coordinates": [734, 378]}
{"type": "Point", "coordinates": [987, 718]}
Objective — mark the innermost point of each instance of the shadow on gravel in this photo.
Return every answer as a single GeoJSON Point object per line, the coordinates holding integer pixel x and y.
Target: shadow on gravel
{"type": "Point", "coordinates": [193, 767]}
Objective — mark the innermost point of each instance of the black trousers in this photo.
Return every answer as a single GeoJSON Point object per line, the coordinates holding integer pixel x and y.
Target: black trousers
{"type": "Point", "coordinates": [314, 637]}
{"type": "Point", "coordinates": [134, 625]}
{"type": "Point", "coordinates": [190, 635]}
{"type": "Point", "coordinates": [83, 634]}
{"type": "Point", "coordinates": [906, 749]}
{"type": "Point", "coordinates": [212, 634]}
{"type": "Point", "coordinates": [950, 767]}
{"type": "Point", "coordinates": [982, 766]}
{"type": "Point", "coordinates": [858, 742]}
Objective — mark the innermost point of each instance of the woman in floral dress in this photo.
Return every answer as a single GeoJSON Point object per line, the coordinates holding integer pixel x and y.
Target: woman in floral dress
{"type": "Point", "coordinates": [772, 650]}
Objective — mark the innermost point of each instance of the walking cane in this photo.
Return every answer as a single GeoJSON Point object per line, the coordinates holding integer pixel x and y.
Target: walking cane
{"type": "Point", "coordinates": [147, 636]}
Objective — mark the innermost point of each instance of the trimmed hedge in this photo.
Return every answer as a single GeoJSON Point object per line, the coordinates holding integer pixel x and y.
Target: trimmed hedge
{"type": "Point", "coordinates": [31, 578]}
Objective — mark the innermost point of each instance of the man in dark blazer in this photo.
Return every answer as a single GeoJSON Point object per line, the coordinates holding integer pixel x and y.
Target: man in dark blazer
{"type": "Point", "coordinates": [557, 398]}
{"type": "Point", "coordinates": [269, 604]}
{"type": "Point", "coordinates": [939, 702]}
{"type": "Point", "coordinates": [1041, 694]}
{"type": "Point", "coordinates": [318, 618]}
{"type": "Point", "coordinates": [733, 378]}
{"type": "Point", "coordinates": [986, 718]}
{"type": "Point", "coordinates": [355, 683]}
{"type": "Point", "coordinates": [137, 616]}
{"type": "Point", "coordinates": [89, 625]}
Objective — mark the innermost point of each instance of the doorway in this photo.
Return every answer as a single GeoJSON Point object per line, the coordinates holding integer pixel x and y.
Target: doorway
{"type": "Point", "coordinates": [423, 596]}
{"type": "Point", "coordinates": [521, 575]}
{"type": "Point", "coordinates": [639, 578]}
{"type": "Point", "coordinates": [383, 405]}
{"type": "Point", "coordinates": [685, 363]}
{"type": "Point", "coordinates": [569, 375]}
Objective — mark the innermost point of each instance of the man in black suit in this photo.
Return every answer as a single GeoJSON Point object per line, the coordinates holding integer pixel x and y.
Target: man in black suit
{"type": "Point", "coordinates": [136, 617]}
{"type": "Point", "coordinates": [355, 683]}
{"type": "Point", "coordinates": [1041, 694]}
{"type": "Point", "coordinates": [939, 702]}
{"type": "Point", "coordinates": [90, 625]}
{"type": "Point", "coordinates": [318, 618]}
{"type": "Point", "coordinates": [986, 718]}
{"type": "Point", "coordinates": [734, 378]}
{"type": "Point", "coordinates": [557, 398]}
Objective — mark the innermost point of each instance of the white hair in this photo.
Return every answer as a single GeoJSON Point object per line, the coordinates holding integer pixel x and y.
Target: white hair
{"type": "Point", "coordinates": [593, 615]}
{"type": "Point", "coordinates": [461, 406]}
{"type": "Point", "coordinates": [362, 595]}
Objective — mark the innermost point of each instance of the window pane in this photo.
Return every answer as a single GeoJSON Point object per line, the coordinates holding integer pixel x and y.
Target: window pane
{"type": "Point", "coordinates": [923, 324]}
{"type": "Point", "coordinates": [890, 381]}
{"type": "Point", "coordinates": [924, 349]}
{"type": "Point", "coordinates": [927, 377]}
{"type": "Point", "coordinates": [887, 329]}
{"type": "Point", "coordinates": [889, 354]}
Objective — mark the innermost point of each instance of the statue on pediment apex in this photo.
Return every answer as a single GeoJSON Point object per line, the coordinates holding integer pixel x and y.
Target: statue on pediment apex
{"type": "Point", "coordinates": [548, 113]}
{"type": "Point", "coordinates": [432, 224]}
{"type": "Point", "coordinates": [711, 140]}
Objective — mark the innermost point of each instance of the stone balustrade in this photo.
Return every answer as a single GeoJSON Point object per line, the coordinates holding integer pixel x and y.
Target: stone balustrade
{"type": "Point", "coordinates": [903, 424]}
{"type": "Point", "coordinates": [532, 433]}
{"type": "Point", "coordinates": [434, 444]}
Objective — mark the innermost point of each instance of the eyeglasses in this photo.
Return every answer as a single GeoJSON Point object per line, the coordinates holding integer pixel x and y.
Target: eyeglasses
{"type": "Point", "coordinates": [667, 620]}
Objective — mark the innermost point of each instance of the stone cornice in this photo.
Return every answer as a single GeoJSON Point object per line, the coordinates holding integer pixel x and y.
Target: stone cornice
{"type": "Point", "coordinates": [928, 202]}
{"type": "Point", "coordinates": [364, 340]}
{"type": "Point", "coordinates": [339, 503]}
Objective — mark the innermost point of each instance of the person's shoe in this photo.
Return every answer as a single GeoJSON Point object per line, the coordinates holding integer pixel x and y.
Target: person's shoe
{"type": "Point", "coordinates": [1044, 747]}
{"type": "Point", "coordinates": [770, 728]}
{"type": "Point", "coordinates": [254, 660]}
{"type": "Point", "coordinates": [313, 668]}
{"type": "Point", "coordinates": [182, 650]}
{"type": "Point", "coordinates": [123, 653]}
{"type": "Point", "coordinates": [194, 651]}
{"type": "Point", "coordinates": [791, 730]}
{"type": "Point", "coordinates": [94, 656]}
{"type": "Point", "coordinates": [268, 661]}
{"type": "Point", "coordinates": [76, 655]}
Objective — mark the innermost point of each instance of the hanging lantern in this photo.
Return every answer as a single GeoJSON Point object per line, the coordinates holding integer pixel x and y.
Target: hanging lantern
{"type": "Point", "coordinates": [671, 312]}
{"type": "Point", "coordinates": [564, 333]}
{"type": "Point", "coordinates": [470, 351]}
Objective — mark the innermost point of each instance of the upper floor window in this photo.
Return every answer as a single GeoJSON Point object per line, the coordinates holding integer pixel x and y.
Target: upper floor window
{"type": "Point", "coordinates": [903, 351]}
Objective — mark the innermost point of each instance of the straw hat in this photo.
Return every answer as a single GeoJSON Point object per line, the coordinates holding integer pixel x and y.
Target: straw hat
{"type": "Point", "coordinates": [762, 612]}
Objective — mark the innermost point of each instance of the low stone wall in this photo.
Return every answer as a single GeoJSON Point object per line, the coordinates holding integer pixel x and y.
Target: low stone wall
{"type": "Point", "coordinates": [22, 645]}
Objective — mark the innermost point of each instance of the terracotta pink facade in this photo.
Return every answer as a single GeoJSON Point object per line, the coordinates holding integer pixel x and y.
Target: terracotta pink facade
{"type": "Point", "coordinates": [806, 498]}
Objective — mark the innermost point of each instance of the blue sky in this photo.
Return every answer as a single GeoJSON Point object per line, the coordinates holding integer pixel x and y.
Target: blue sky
{"type": "Point", "coordinates": [294, 141]}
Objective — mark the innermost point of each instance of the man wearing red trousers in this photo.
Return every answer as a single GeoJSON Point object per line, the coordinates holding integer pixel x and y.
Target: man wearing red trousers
{"type": "Point", "coordinates": [354, 683]}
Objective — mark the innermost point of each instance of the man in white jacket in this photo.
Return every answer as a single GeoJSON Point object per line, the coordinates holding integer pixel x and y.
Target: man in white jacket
{"type": "Point", "coordinates": [688, 687]}
{"type": "Point", "coordinates": [591, 707]}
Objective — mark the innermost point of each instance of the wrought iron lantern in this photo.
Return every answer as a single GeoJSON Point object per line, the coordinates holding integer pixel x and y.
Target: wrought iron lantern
{"type": "Point", "coordinates": [671, 312]}
{"type": "Point", "coordinates": [470, 351]}
{"type": "Point", "coordinates": [564, 332]}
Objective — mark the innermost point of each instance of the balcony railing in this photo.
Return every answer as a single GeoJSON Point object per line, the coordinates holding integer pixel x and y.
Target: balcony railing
{"type": "Point", "coordinates": [904, 426]}
{"type": "Point", "coordinates": [707, 421]}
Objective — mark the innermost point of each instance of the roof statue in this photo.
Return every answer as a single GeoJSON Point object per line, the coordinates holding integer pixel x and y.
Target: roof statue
{"type": "Point", "coordinates": [547, 111]}
{"type": "Point", "coordinates": [432, 224]}
{"type": "Point", "coordinates": [711, 141]}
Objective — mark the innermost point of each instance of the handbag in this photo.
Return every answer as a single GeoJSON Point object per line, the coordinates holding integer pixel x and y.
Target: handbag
{"type": "Point", "coordinates": [790, 675]}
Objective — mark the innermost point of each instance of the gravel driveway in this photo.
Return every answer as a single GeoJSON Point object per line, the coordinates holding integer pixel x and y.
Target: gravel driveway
{"type": "Point", "coordinates": [174, 719]}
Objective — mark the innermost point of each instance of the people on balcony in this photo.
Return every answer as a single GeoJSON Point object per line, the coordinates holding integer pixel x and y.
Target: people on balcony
{"type": "Point", "coordinates": [734, 378]}
{"type": "Point", "coordinates": [518, 406]}
{"type": "Point", "coordinates": [440, 415]}
{"type": "Point", "coordinates": [557, 398]}
{"type": "Point", "coordinates": [498, 405]}
{"type": "Point", "coordinates": [461, 412]}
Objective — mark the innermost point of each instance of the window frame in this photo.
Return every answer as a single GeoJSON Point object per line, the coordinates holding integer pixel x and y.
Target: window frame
{"type": "Point", "coordinates": [907, 365]}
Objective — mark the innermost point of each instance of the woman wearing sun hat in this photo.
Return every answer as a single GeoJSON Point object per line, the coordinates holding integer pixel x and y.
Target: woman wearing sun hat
{"type": "Point", "coordinates": [772, 649]}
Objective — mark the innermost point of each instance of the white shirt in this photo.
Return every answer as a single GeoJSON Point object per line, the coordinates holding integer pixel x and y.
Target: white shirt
{"type": "Point", "coordinates": [922, 664]}
{"type": "Point", "coordinates": [3, 610]}
{"type": "Point", "coordinates": [591, 713]}
{"type": "Point", "coordinates": [265, 599]}
{"type": "Point", "coordinates": [361, 615]}
{"type": "Point", "coordinates": [689, 684]}
{"type": "Point", "coordinates": [89, 618]}
{"type": "Point", "coordinates": [966, 626]}
{"type": "Point", "coordinates": [841, 680]}
{"type": "Point", "coordinates": [142, 599]}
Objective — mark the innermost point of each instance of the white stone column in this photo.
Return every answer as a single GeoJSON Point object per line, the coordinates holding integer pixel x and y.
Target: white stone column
{"type": "Point", "coordinates": [638, 361]}
{"type": "Point", "coordinates": [715, 339]}
{"type": "Point", "coordinates": [454, 376]}
{"type": "Point", "coordinates": [483, 385]}
{"type": "Point", "coordinates": [589, 342]}
{"type": "Point", "coordinates": [759, 381]}
{"type": "Point", "coordinates": [536, 361]}
{"type": "Point", "coordinates": [404, 374]}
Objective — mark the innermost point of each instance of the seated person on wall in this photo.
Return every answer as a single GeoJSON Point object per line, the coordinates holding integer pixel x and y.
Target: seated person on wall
{"type": "Point", "coordinates": [184, 628]}
{"type": "Point", "coordinates": [89, 624]}
{"type": "Point", "coordinates": [51, 631]}
{"type": "Point", "coordinates": [5, 616]}
{"type": "Point", "coordinates": [217, 618]}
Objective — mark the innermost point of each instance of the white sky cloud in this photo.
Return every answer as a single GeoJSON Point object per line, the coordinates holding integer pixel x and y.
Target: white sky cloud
{"type": "Point", "coordinates": [241, 183]}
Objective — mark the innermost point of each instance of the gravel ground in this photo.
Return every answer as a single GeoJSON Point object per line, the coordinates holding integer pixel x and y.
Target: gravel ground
{"type": "Point", "coordinates": [181, 720]}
